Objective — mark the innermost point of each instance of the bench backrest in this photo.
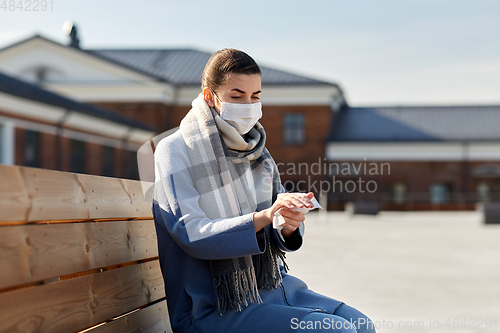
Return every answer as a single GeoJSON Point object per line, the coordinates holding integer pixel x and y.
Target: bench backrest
{"type": "Point", "coordinates": [77, 253]}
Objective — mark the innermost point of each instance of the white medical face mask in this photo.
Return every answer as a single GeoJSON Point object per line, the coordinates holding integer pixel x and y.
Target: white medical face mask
{"type": "Point", "coordinates": [241, 116]}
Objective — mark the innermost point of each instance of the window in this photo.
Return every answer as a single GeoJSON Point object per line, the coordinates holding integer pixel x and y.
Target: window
{"type": "Point", "coordinates": [108, 161]}
{"type": "Point", "coordinates": [77, 162]}
{"type": "Point", "coordinates": [294, 129]}
{"type": "Point", "coordinates": [131, 169]}
{"type": "Point", "coordinates": [399, 193]}
{"type": "Point", "coordinates": [483, 191]}
{"type": "Point", "coordinates": [32, 149]}
{"type": "Point", "coordinates": [439, 192]}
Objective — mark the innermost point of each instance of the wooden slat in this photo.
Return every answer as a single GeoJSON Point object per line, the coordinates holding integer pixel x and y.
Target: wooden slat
{"type": "Point", "coordinates": [54, 195]}
{"type": "Point", "coordinates": [153, 319]}
{"type": "Point", "coordinates": [141, 207]}
{"type": "Point", "coordinates": [106, 197]}
{"type": "Point", "coordinates": [31, 195]}
{"type": "Point", "coordinates": [30, 253]}
{"type": "Point", "coordinates": [75, 304]}
{"type": "Point", "coordinates": [14, 258]}
{"type": "Point", "coordinates": [14, 201]}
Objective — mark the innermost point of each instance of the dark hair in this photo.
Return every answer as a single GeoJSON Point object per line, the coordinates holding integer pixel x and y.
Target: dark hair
{"type": "Point", "coordinates": [225, 62]}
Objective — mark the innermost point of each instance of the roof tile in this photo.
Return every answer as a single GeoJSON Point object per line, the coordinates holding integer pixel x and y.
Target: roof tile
{"type": "Point", "coordinates": [185, 66]}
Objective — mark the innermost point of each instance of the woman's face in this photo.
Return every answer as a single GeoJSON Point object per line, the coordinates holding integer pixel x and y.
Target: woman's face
{"type": "Point", "coordinates": [240, 88]}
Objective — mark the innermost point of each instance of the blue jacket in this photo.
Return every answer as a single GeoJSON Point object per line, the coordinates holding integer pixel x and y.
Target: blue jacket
{"type": "Point", "coordinates": [185, 264]}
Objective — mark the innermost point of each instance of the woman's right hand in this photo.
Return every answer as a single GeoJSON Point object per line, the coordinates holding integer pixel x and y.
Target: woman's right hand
{"type": "Point", "coordinates": [285, 200]}
{"type": "Point", "coordinates": [290, 201]}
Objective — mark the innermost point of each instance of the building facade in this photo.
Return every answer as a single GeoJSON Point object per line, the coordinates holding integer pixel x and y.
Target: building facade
{"type": "Point", "coordinates": [42, 129]}
{"type": "Point", "coordinates": [157, 86]}
{"type": "Point", "coordinates": [403, 158]}
{"type": "Point", "coordinates": [417, 158]}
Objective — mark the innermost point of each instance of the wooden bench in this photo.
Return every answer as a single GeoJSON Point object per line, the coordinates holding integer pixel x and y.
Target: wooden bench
{"type": "Point", "coordinates": [78, 253]}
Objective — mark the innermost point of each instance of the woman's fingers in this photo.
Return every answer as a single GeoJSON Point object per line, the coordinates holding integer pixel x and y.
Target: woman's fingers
{"type": "Point", "coordinates": [280, 205]}
{"type": "Point", "coordinates": [292, 218]}
{"type": "Point", "coordinates": [292, 200]}
{"type": "Point", "coordinates": [293, 214]}
{"type": "Point", "coordinates": [306, 199]}
{"type": "Point", "coordinates": [286, 202]}
{"type": "Point", "coordinates": [297, 200]}
{"type": "Point", "coordinates": [290, 224]}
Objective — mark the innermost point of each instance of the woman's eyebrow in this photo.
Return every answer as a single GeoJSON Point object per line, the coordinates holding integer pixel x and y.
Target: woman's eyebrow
{"type": "Point", "coordinates": [241, 91]}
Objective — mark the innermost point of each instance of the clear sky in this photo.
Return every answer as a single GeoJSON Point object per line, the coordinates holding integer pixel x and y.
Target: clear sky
{"type": "Point", "coordinates": [386, 52]}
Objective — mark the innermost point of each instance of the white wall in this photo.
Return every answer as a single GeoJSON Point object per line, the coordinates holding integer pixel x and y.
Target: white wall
{"type": "Point", "coordinates": [80, 75]}
{"type": "Point", "coordinates": [413, 151]}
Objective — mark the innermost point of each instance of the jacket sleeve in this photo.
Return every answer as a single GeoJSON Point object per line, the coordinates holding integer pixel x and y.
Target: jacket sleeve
{"type": "Point", "coordinates": [176, 204]}
{"type": "Point", "coordinates": [292, 243]}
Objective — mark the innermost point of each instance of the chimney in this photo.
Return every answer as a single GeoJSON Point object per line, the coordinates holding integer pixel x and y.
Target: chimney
{"type": "Point", "coordinates": [69, 28]}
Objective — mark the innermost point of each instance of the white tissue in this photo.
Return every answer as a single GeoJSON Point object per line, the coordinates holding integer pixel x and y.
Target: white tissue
{"type": "Point", "coordinates": [278, 220]}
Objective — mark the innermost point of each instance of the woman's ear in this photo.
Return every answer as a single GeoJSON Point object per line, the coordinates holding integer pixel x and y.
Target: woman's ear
{"type": "Point", "coordinates": [209, 97]}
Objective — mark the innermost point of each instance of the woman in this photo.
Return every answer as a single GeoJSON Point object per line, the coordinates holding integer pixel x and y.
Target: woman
{"type": "Point", "coordinates": [217, 190]}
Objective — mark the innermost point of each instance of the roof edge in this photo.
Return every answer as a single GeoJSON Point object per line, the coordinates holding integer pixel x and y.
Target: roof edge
{"type": "Point", "coordinates": [110, 61]}
{"type": "Point", "coordinates": [93, 110]}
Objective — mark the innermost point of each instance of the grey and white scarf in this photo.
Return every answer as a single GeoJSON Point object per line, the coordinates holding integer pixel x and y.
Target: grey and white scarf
{"type": "Point", "coordinates": [235, 175]}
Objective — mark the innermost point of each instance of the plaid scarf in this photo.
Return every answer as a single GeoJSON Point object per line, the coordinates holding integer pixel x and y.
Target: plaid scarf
{"type": "Point", "coordinates": [234, 182]}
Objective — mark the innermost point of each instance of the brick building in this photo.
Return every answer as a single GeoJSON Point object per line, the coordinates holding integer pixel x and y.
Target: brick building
{"type": "Point", "coordinates": [156, 87]}
{"type": "Point", "coordinates": [402, 157]}
{"type": "Point", "coordinates": [434, 157]}
{"type": "Point", "coordinates": [41, 129]}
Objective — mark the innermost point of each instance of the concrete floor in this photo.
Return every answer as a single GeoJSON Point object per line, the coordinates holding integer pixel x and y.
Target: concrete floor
{"type": "Point", "coordinates": [416, 268]}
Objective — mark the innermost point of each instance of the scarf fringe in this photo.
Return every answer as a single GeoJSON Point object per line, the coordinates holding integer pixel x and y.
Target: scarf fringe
{"type": "Point", "coordinates": [282, 256]}
{"type": "Point", "coordinates": [239, 288]}
{"type": "Point", "coordinates": [236, 288]}
{"type": "Point", "coordinates": [267, 267]}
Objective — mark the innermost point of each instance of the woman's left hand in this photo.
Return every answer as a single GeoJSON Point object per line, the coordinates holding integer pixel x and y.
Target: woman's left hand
{"type": "Point", "coordinates": [293, 220]}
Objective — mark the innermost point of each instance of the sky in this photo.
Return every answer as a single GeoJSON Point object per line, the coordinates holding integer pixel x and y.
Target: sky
{"type": "Point", "coordinates": [386, 52]}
